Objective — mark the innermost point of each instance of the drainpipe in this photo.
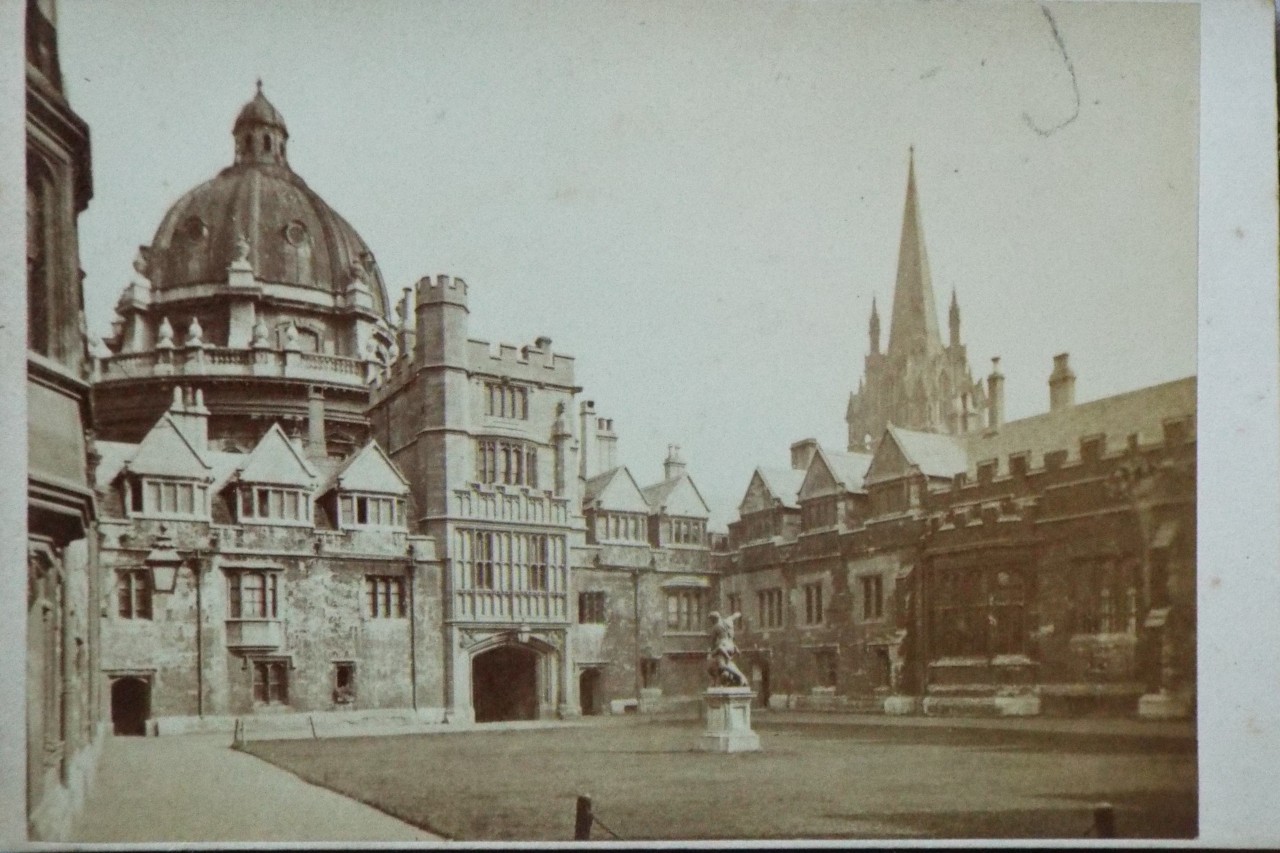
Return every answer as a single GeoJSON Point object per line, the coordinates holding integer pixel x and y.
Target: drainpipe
{"type": "Point", "coordinates": [635, 606]}
{"type": "Point", "coordinates": [198, 574]}
{"type": "Point", "coordinates": [413, 633]}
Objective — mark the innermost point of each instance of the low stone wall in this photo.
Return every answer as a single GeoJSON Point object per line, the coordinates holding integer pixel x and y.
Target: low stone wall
{"type": "Point", "coordinates": [326, 723]}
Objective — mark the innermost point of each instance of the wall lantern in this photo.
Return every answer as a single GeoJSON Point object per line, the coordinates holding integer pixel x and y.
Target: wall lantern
{"type": "Point", "coordinates": [164, 562]}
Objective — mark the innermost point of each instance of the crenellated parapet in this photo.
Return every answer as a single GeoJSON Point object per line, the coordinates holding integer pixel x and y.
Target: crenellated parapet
{"type": "Point", "coordinates": [442, 288]}
{"type": "Point", "coordinates": [536, 363]}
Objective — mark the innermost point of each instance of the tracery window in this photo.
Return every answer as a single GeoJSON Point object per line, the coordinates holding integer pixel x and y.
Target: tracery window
{"type": "Point", "coordinates": [504, 400]}
{"type": "Point", "coordinates": [512, 463]}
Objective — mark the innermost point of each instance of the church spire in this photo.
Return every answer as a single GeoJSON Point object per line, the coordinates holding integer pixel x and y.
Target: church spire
{"type": "Point", "coordinates": [955, 319]}
{"type": "Point", "coordinates": [874, 329]}
{"type": "Point", "coordinates": [914, 324]}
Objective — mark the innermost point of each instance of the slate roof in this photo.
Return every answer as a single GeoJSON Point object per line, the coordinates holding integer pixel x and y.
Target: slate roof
{"type": "Point", "coordinates": [658, 495]}
{"type": "Point", "coordinates": [626, 497]}
{"type": "Point", "coordinates": [934, 454]}
{"type": "Point", "coordinates": [594, 486]}
{"type": "Point", "coordinates": [1142, 411]}
{"type": "Point", "coordinates": [849, 468]}
{"type": "Point", "coordinates": [783, 483]}
{"type": "Point", "coordinates": [331, 471]}
{"type": "Point", "coordinates": [278, 461]}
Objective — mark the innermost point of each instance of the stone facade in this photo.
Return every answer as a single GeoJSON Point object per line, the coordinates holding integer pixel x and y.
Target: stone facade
{"type": "Point", "coordinates": [64, 710]}
{"type": "Point", "coordinates": [318, 503]}
{"type": "Point", "coordinates": [1044, 565]}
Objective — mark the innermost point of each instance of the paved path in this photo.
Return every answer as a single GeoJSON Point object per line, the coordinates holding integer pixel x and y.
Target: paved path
{"type": "Point", "coordinates": [194, 788]}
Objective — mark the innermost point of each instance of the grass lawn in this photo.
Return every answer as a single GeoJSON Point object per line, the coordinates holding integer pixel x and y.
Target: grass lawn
{"type": "Point", "coordinates": [811, 781]}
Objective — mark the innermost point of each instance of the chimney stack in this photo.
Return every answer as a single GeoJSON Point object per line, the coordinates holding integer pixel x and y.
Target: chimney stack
{"type": "Point", "coordinates": [802, 453]}
{"type": "Point", "coordinates": [673, 467]}
{"type": "Point", "coordinates": [587, 457]}
{"type": "Point", "coordinates": [1062, 384]}
{"type": "Point", "coordinates": [995, 396]}
{"type": "Point", "coordinates": [317, 441]}
{"type": "Point", "coordinates": [607, 444]}
{"type": "Point", "coordinates": [190, 415]}
{"type": "Point", "coordinates": [407, 336]}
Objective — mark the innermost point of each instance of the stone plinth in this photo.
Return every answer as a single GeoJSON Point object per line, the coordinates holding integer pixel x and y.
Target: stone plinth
{"type": "Point", "coordinates": [728, 720]}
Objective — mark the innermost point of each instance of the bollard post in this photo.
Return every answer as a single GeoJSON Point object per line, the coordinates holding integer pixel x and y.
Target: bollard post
{"type": "Point", "coordinates": [582, 820]}
{"type": "Point", "coordinates": [1104, 820]}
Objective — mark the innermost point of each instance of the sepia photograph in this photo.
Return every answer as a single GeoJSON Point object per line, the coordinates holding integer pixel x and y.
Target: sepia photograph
{"type": "Point", "coordinates": [638, 421]}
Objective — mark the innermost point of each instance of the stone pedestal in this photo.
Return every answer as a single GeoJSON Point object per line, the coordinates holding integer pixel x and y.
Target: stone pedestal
{"type": "Point", "coordinates": [728, 720]}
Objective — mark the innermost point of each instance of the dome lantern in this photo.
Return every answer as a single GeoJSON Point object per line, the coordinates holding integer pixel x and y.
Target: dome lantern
{"type": "Point", "coordinates": [260, 132]}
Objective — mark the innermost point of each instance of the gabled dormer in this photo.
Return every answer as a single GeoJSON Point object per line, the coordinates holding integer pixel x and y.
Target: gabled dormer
{"type": "Point", "coordinates": [168, 476]}
{"type": "Point", "coordinates": [368, 492]}
{"type": "Point", "coordinates": [276, 483]}
{"type": "Point", "coordinates": [769, 507]}
{"type": "Point", "coordinates": [907, 463]}
{"type": "Point", "coordinates": [615, 509]}
{"type": "Point", "coordinates": [677, 513]}
{"type": "Point", "coordinates": [831, 483]}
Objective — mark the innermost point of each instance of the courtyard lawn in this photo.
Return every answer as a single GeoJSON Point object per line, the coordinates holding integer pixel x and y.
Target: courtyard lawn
{"type": "Point", "coordinates": [811, 781]}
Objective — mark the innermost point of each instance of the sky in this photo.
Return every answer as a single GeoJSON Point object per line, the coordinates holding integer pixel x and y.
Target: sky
{"type": "Point", "coordinates": [698, 201]}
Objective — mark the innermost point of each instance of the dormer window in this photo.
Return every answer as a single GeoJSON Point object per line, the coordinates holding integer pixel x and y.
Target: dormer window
{"type": "Point", "coordinates": [1091, 448]}
{"type": "Point", "coordinates": [155, 497]}
{"type": "Point", "coordinates": [274, 505]}
{"type": "Point", "coordinates": [986, 471]}
{"type": "Point", "coordinates": [380, 511]}
{"type": "Point", "coordinates": [687, 531]}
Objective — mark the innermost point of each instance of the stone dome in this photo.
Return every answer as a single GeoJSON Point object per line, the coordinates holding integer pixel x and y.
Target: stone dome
{"type": "Point", "coordinates": [293, 237]}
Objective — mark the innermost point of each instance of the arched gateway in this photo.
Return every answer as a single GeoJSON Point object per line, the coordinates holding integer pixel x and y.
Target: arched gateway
{"type": "Point", "coordinates": [513, 680]}
{"type": "Point", "coordinates": [504, 684]}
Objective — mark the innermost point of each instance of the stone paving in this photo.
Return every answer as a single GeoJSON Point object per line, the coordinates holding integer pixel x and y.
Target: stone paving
{"type": "Point", "coordinates": [194, 788]}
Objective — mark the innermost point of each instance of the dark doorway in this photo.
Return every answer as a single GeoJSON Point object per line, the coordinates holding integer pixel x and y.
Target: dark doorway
{"type": "Point", "coordinates": [884, 668]}
{"type": "Point", "coordinates": [504, 685]}
{"type": "Point", "coordinates": [130, 705]}
{"type": "Point", "coordinates": [589, 692]}
{"type": "Point", "coordinates": [760, 682]}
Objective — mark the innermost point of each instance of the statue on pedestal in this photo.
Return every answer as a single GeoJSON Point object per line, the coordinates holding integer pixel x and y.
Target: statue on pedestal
{"type": "Point", "coordinates": [720, 666]}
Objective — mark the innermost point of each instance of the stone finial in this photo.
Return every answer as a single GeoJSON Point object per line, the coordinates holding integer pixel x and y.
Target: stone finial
{"type": "Point", "coordinates": [291, 336]}
{"type": "Point", "coordinates": [241, 251]}
{"type": "Point", "coordinates": [140, 264]}
{"type": "Point", "coordinates": [260, 333]}
{"type": "Point", "coordinates": [178, 405]}
{"type": "Point", "coordinates": [195, 334]}
{"type": "Point", "coordinates": [164, 334]}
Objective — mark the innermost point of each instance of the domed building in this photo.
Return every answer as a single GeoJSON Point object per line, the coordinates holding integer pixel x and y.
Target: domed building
{"type": "Point", "coordinates": [257, 288]}
{"type": "Point", "coordinates": [309, 511]}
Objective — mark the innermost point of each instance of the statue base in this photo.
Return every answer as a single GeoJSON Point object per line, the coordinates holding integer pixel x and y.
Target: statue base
{"type": "Point", "coordinates": [728, 720]}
